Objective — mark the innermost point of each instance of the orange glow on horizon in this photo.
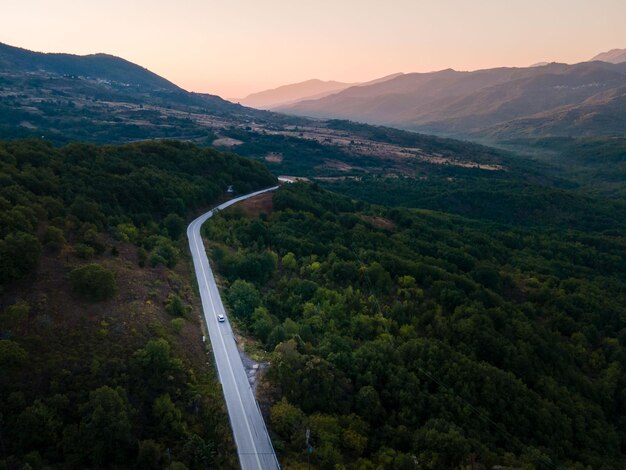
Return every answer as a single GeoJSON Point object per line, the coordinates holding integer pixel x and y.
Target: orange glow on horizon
{"type": "Point", "coordinates": [237, 47]}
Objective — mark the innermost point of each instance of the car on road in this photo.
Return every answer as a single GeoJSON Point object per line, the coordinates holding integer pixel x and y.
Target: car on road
{"type": "Point", "coordinates": [221, 318]}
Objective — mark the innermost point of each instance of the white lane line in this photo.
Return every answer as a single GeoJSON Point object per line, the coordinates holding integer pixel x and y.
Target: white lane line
{"type": "Point", "coordinates": [230, 367]}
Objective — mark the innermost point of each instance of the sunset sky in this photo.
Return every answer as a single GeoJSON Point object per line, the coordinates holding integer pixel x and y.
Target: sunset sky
{"type": "Point", "coordinates": [236, 47]}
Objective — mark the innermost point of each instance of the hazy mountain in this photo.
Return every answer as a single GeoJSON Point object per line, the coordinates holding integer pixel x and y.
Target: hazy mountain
{"type": "Point", "coordinates": [614, 56]}
{"type": "Point", "coordinates": [308, 90]}
{"type": "Point", "coordinates": [602, 114]}
{"type": "Point", "coordinates": [287, 94]}
{"type": "Point", "coordinates": [465, 103]}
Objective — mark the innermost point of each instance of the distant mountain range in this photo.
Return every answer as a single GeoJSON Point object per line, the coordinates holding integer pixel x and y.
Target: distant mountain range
{"type": "Point", "coordinates": [289, 94]}
{"type": "Point", "coordinates": [307, 90]}
{"type": "Point", "coordinates": [615, 56]}
{"type": "Point", "coordinates": [547, 100]}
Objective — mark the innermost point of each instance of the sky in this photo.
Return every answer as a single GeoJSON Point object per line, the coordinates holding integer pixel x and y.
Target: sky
{"type": "Point", "coordinates": [235, 47]}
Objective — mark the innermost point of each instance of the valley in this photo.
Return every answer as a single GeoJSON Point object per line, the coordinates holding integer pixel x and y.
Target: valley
{"type": "Point", "coordinates": [417, 300]}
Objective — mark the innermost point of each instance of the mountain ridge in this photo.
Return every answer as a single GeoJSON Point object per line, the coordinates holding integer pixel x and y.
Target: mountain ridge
{"type": "Point", "coordinates": [461, 103]}
{"type": "Point", "coordinates": [291, 93]}
{"type": "Point", "coordinates": [99, 65]}
{"type": "Point", "coordinates": [286, 95]}
{"type": "Point", "coordinates": [614, 56]}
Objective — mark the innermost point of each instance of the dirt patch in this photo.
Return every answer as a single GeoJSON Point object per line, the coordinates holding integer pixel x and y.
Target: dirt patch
{"type": "Point", "coordinates": [226, 142]}
{"type": "Point", "coordinates": [379, 222]}
{"type": "Point", "coordinates": [255, 206]}
{"type": "Point", "coordinates": [337, 178]}
{"type": "Point", "coordinates": [274, 157]}
{"type": "Point", "coordinates": [294, 178]}
{"type": "Point", "coordinates": [337, 165]}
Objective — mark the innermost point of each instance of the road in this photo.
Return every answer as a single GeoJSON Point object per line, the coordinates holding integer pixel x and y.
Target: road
{"type": "Point", "coordinates": [254, 446]}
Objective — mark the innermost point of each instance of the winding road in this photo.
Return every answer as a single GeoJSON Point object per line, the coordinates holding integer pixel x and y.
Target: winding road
{"type": "Point", "coordinates": [254, 446]}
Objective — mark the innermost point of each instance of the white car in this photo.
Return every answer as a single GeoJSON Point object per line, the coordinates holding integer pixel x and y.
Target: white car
{"type": "Point", "coordinates": [221, 318]}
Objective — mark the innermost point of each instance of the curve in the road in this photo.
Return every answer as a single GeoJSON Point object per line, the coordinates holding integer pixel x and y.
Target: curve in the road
{"type": "Point", "coordinates": [254, 446]}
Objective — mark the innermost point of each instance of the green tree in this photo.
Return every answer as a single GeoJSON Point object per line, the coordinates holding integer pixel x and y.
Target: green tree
{"type": "Point", "coordinates": [105, 426]}
{"type": "Point", "coordinates": [93, 282]}
{"type": "Point", "coordinates": [289, 261]}
{"type": "Point", "coordinates": [149, 455]}
{"type": "Point", "coordinates": [175, 306]}
{"type": "Point", "coordinates": [289, 422]}
{"type": "Point", "coordinates": [164, 253]}
{"type": "Point", "coordinates": [243, 298]}
{"type": "Point", "coordinates": [11, 354]}
{"type": "Point", "coordinates": [53, 238]}
{"type": "Point", "coordinates": [175, 225]}
{"type": "Point", "coordinates": [168, 417]}
{"type": "Point", "coordinates": [177, 324]}
{"type": "Point", "coordinates": [19, 256]}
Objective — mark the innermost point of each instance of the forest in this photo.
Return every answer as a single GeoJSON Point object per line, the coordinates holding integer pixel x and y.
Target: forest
{"type": "Point", "coordinates": [506, 199]}
{"type": "Point", "coordinates": [408, 338]}
{"type": "Point", "coordinates": [101, 359]}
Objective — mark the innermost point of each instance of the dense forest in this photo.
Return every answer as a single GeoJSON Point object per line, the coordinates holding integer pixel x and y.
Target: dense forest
{"type": "Point", "coordinates": [504, 199]}
{"type": "Point", "coordinates": [101, 359]}
{"type": "Point", "coordinates": [597, 164]}
{"type": "Point", "coordinates": [410, 338]}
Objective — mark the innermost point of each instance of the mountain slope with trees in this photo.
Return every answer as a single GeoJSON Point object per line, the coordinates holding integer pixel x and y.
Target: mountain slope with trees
{"type": "Point", "coordinates": [469, 103]}
{"type": "Point", "coordinates": [404, 338]}
{"type": "Point", "coordinates": [101, 359]}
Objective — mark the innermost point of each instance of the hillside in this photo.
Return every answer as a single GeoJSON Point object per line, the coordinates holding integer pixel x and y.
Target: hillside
{"type": "Point", "coordinates": [615, 56]}
{"type": "Point", "coordinates": [601, 114]}
{"type": "Point", "coordinates": [96, 66]}
{"type": "Point", "coordinates": [288, 94]}
{"type": "Point", "coordinates": [469, 103]}
{"type": "Point", "coordinates": [104, 99]}
{"type": "Point", "coordinates": [101, 359]}
{"type": "Point", "coordinates": [308, 90]}
{"type": "Point", "coordinates": [398, 335]}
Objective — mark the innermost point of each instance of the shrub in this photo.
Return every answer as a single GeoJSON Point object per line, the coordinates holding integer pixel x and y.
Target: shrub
{"type": "Point", "coordinates": [11, 353]}
{"type": "Point", "coordinates": [177, 324]}
{"type": "Point", "coordinates": [83, 251]}
{"type": "Point", "coordinates": [53, 239]}
{"type": "Point", "coordinates": [93, 282]}
{"type": "Point", "coordinates": [175, 306]}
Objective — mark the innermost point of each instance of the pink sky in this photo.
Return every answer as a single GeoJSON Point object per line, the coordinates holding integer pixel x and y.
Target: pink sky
{"type": "Point", "coordinates": [235, 47]}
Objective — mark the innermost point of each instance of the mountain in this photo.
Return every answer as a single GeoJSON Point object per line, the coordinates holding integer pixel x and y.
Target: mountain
{"type": "Point", "coordinates": [288, 94]}
{"type": "Point", "coordinates": [102, 98]}
{"type": "Point", "coordinates": [614, 56]}
{"type": "Point", "coordinates": [96, 66]}
{"type": "Point", "coordinates": [601, 114]}
{"type": "Point", "coordinates": [468, 103]}
{"type": "Point", "coordinates": [308, 90]}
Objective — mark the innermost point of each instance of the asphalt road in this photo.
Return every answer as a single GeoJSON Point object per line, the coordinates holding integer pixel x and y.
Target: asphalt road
{"type": "Point", "coordinates": [254, 446]}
